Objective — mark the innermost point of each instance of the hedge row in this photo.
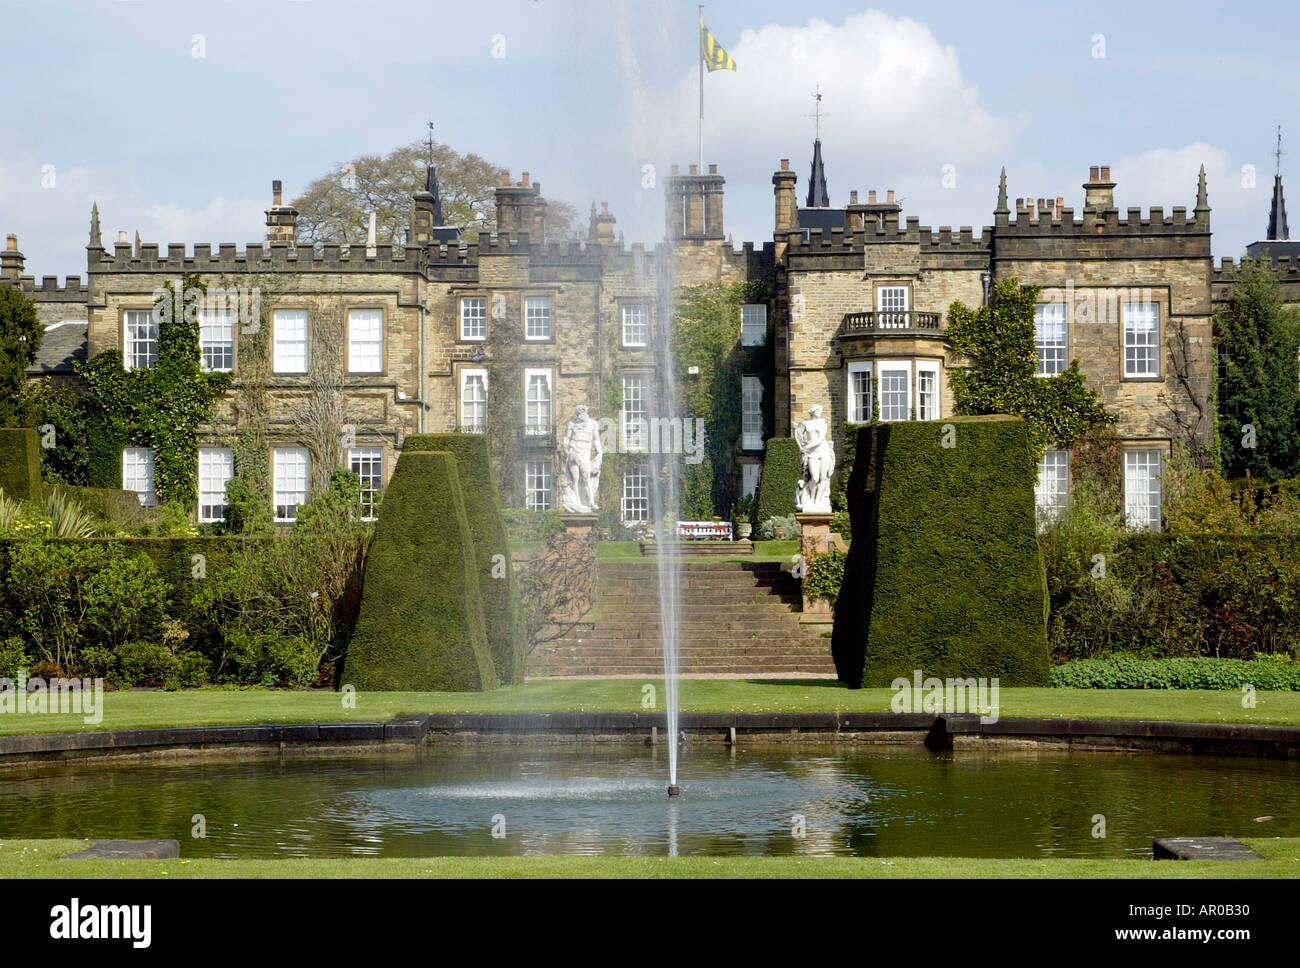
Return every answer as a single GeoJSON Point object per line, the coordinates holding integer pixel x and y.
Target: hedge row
{"type": "Point", "coordinates": [20, 464]}
{"type": "Point", "coordinates": [111, 505]}
{"type": "Point", "coordinates": [1127, 672]}
{"type": "Point", "coordinates": [944, 572]}
{"type": "Point", "coordinates": [782, 471]}
{"type": "Point", "coordinates": [497, 579]}
{"type": "Point", "coordinates": [421, 626]}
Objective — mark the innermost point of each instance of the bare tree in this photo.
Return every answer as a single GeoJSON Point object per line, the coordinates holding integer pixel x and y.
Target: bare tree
{"type": "Point", "coordinates": [557, 586]}
{"type": "Point", "coordinates": [1186, 419]}
{"type": "Point", "coordinates": [320, 415]}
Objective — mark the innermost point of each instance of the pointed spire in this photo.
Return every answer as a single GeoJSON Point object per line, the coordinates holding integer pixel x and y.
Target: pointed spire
{"type": "Point", "coordinates": [818, 196]}
{"type": "Point", "coordinates": [431, 186]}
{"type": "Point", "coordinates": [96, 242]}
{"type": "Point", "coordinates": [1277, 227]}
{"type": "Point", "coordinates": [1202, 197]}
{"type": "Point", "coordinates": [1002, 193]}
{"type": "Point", "coordinates": [136, 251]}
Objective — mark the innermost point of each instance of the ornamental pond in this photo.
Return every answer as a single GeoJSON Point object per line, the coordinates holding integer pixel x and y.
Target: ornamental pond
{"type": "Point", "coordinates": [800, 799]}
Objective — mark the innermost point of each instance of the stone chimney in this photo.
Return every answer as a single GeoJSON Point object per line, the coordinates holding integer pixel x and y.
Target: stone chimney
{"type": "Point", "coordinates": [11, 261]}
{"type": "Point", "coordinates": [601, 228]}
{"type": "Point", "coordinates": [517, 205]}
{"type": "Point", "coordinates": [1099, 190]}
{"type": "Point", "coordinates": [281, 219]}
{"type": "Point", "coordinates": [694, 204]}
{"type": "Point", "coordinates": [787, 208]}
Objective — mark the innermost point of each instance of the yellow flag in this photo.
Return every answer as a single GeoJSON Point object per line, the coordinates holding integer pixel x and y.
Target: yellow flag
{"type": "Point", "coordinates": [715, 58]}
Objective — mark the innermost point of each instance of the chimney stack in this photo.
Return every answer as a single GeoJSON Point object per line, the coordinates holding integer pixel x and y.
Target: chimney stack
{"type": "Point", "coordinates": [787, 207]}
{"type": "Point", "coordinates": [520, 208]}
{"type": "Point", "coordinates": [11, 261]}
{"type": "Point", "coordinates": [1099, 190]}
{"type": "Point", "coordinates": [281, 219]}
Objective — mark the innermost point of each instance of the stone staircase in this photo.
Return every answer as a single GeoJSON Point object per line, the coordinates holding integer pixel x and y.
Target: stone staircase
{"type": "Point", "coordinates": [737, 618]}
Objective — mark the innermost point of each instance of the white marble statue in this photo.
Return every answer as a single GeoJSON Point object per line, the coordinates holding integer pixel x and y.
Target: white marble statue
{"type": "Point", "coordinates": [582, 458]}
{"type": "Point", "coordinates": [813, 493]}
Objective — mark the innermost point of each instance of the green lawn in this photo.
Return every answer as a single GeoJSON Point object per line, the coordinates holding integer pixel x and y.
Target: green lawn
{"type": "Point", "coordinates": [138, 710]}
{"type": "Point", "coordinates": [763, 551]}
{"type": "Point", "coordinates": [40, 859]}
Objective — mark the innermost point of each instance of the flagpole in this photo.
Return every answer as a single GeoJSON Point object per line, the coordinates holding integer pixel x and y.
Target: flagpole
{"type": "Point", "coordinates": [700, 55]}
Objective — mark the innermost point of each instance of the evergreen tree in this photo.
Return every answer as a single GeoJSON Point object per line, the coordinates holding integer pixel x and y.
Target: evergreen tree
{"type": "Point", "coordinates": [20, 338]}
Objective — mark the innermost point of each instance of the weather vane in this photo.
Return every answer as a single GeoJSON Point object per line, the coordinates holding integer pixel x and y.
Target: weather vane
{"type": "Point", "coordinates": [430, 143]}
{"type": "Point", "coordinates": [1278, 152]}
{"type": "Point", "coordinates": [817, 112]}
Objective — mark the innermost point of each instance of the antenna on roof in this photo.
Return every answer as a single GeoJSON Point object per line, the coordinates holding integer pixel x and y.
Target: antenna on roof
{"type": "Point", "coordinates": [817, 114]}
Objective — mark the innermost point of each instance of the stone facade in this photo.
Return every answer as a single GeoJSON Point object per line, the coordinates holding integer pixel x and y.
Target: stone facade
{"type": "Point", "coordinates": [857, 297]}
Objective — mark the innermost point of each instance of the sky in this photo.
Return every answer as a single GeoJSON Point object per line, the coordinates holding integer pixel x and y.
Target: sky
{"type": "Point", "coordinates": [175, 116]}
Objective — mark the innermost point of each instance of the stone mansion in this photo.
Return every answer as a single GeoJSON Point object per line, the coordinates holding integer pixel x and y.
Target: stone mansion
{"type": "Point", "coordinates": [854, 313]}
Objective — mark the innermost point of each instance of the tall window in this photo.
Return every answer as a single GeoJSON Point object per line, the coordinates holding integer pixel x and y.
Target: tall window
{"type": "Point", "coordinates": [894, 392]}
{"type": "Point", "coordinates": [1142, 493]}
{"type": "Point", "coordinates": [216, 468]}
{"type": "Point", "coordinates": [537, 317]}
{"type": "Point", "coordinates": [636, 325]}
{"type": "Point", "coordinates": [1049, 338]}
{"type": "Point", "coordinates": [636, 411]}
{"type": "Point", "coordinates": [473, 401]}
{"type": "Point", "coordinates": [139, 339]}
{"type": "Point", "coordinates": [927, 391]}
{"type": "Point", "coordinates": [473, 318]}
{"type": "Point", "coordinates": [749, 474]}
{"type": "Point", "coordinates": [537, 402]}
{"type": "Point", "coordinates": [217, 339]}
{"type": "Point", "coordinates": [860, 398]}
{"type": "Point", "coordinates": [891, 301]}
{"type": "Point", "coordinates": [290, 333]}
{"type": "Point", "coordinates": [636, 494]}
{"type": "Point", "coordinates": [365, 340]}
{"type": "Point", "coordinates": [368, 464]}
{"type": "Point", "coordinates": [537, 485]}
{"type": "Point", "coordinates": [1141, 339]}
{"type": "Point", "coordinates": [1053, 486]}
{"type": "Point", "coordinates": [753, 325]}
{"type": "Point", "coordinates": [751, 412]}
{"type": "Point", "coordinates": [289, 469]}
{"type": "Point", "coordinates": [137, 474]}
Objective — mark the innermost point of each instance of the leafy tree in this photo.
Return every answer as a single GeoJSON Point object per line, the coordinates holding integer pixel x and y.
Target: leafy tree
{"type": "Point", "coordinates": [20, 337]}
{"type": "Point", "coordinates": [998, 339]}
{"type": "Point", "coordinates": [1258, 339]}
{"type": "Point", "coordinates": [336, 207]}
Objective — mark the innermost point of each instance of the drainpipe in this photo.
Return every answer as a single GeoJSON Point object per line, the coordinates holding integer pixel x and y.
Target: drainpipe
{"type": "Point", "coordinates": [424, 376]}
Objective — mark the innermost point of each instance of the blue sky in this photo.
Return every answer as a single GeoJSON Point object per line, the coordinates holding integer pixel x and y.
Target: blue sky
{"type": "Point", "coordinates": [184, 147]}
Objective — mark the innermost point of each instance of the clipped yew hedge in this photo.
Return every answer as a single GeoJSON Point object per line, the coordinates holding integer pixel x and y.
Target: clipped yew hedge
{"type": "Point", "coordinates": [421, 626]}
{"type": "Point", "coordinates": [782, 471]}
{"type": "Point", "coordinates": [111, 505]}
{"type": "Point", "coordinates": [944, 573]}
{"type": "Point", "coordinates": [20, 463]}
{"type": "Point", "coordinates": [502, 612]}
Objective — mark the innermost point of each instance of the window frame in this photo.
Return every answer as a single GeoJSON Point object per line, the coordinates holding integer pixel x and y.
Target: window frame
{"type": "Point", "coordinates": [530, 430]}
{"type": "Point", "coordinates": [762, 332]}
{"type": "Point", "coordinates": [882, 311]}
{"type": "Point", "coordinates": [229, 465]}
{"type": "Point", "coordinates": [463, 378]}
{"type": "Point", "coordinates": [375, 492]}
{"type": "Point", "coordinates": [637, 444]}
{"type": "Point", "coordinates": [852, 410]}
{"type": "Point", "coordinates": [1041, 346]}
{"type": "Point", "coordinates": [276, 489]}
{"type": "Point", "coordinates": [148, 498]}
{"type": "Point", "coordinates": [1155, 486]}
{"type": "Point", "coordinates": [381, 341]}
{"type": "Point", "coordinates": [930, 368]}
{"type": "Point", "coordinates": [1047, 511]}
{"type": "Point", "coordinates": [893, 366]}
{"type": "Point", "coordinates": [548, 477]}
{"type": "Point", "coordinates": [1153, 346]}
{"type": "Point", "coordinates": [205, 317]}
{"type": "Point", "coordinates": [129, 342]}
{"type": "Point", "coordinates": [642, 472]}
{"type": "Point", "coordinates": [751, 439]}
{"type": "Point", "coordinates": [644, 310]}
{"type": "Point", "coordinates": [483, 320]}
{"type": "Point", "coordinates": [276, 341]}
{"type": "Point", "coordinates": [549, 300]}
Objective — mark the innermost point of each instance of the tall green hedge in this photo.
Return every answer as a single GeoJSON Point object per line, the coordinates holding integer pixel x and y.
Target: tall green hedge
{"type": "Point", "coordinates": [502, 612]}
{"type": "Point", "coordinates": [111, 505]}
{"type": "Point", "coordinates": [20, 463]}
{"type": "Point", "coordinates": [944, 573]}
{"type": "Point", "coordinates": [782, 470]}
{"type": "Point", "coordinates": [421, 625]}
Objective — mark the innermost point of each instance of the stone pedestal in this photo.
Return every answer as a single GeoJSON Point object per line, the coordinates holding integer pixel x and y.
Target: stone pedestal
{"type": "Point", "coordinates": [578, 547]}
{"type": "Point", "coordinates": [814, 540]}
